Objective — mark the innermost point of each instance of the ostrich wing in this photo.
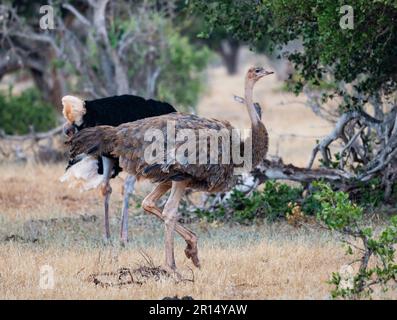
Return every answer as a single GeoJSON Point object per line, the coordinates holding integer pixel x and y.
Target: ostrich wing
{"type": "Point", "coordinates": [132, 149]}
{"type": "Point", "coordinates": [131, 142]}
{"type": "Point", "coordinates": [95, 141]}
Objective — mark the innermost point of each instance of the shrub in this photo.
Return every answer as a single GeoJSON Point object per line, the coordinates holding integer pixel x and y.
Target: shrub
{"type": "Point", "coordinates": [17, 113]}
{"type": "Point", "coordinates": [337, 211]}
{"type": "Point", "coordinates": [277, 200]}
{"type": "Point", "coordinates": [181, 82]}
{"type": "Point", "coordinates": [273, 202]}
{"type": "Point", "coordinates": [370, 194]}
{"type": "Point", "coordinates": [339, 214]}
{"type": "Point", "coordinates": [334, 211]}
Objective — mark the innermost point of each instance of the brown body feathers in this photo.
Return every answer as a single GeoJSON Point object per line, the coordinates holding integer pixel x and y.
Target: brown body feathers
{"type": "Point", "coordinates": [127, 141]}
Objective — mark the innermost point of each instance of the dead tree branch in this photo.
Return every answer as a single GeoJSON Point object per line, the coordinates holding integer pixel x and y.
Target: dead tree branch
{"type": "Point", "coordinates": [32, 135]}
{"type": "Point", "coordinates": [338, 132]}
{"type": "Point", "coordinates": [277, 170]}
{"type": "Point", "coordinates": [83, 47]}
{"type": "Point", "coordinates": [39, 147]}
{"type": "Point", "coordinates": [353, 130]}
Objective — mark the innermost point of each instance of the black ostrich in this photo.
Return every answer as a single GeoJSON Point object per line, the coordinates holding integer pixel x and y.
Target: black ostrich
{"type": "Point", "coordinates": [111, 111]}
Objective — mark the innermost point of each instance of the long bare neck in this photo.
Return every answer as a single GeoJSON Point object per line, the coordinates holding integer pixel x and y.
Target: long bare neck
{"type": "Point", "coordinates": [249, 102]}
{"type": "Point", "coordinates": [260, 139]}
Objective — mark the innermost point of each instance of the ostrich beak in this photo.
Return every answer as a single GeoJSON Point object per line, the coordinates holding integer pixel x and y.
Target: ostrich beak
{"type": "Point", "coordinates": [261, 72]}
{"type": "Point", "coordinates": [266, 72]}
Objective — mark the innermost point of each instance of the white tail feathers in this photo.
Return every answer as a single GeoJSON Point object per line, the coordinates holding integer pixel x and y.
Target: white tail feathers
{"type": "Point", "coordinates": [83, 175]}
{"type": "Point", "coordinates": [73, 109]}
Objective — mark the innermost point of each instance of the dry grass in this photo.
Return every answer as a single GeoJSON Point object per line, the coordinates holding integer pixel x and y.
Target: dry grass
{"type": "Point", "coordinates": [260, 262]}
{"type": "Point", "coordinates": [259, 271]}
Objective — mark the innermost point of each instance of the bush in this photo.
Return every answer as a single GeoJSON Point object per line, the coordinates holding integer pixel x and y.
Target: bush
{"type": "Point", "coordinates": [182, 80]}
{"type": "Point", "coordinates": [334, 210]}
{"type": "Point", "coordinates": [17, 113]}
{"type": "Point", "coordinates": [275, 201]}
{"type": "Point", "coordinates": [374, 253]}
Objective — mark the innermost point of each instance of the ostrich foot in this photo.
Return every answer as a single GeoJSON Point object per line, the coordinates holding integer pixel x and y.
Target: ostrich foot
{"type": "Point", "coordinates": [191, 252]}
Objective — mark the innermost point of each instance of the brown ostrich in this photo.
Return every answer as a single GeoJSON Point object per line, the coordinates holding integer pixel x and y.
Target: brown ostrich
{"type": "Point", "coordinates": [130, 143]}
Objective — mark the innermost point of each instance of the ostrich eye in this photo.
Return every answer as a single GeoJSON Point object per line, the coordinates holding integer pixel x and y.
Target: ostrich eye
{"type": "Point", "coordinates": [257, 70]}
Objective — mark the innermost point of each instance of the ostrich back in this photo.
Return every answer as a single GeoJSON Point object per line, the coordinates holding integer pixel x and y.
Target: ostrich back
{"type": "Point", "coordinates": [127, 141]}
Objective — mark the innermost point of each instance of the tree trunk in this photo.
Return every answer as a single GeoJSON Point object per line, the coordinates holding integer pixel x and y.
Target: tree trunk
{"type": "Point", "coordinates": [229, 52]}
{"type": "Point", "coordinates": [52, 87]}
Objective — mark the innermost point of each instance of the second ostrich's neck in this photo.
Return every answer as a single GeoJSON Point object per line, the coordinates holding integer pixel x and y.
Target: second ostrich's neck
{"type": "Point", "coordinates": [260, 140]}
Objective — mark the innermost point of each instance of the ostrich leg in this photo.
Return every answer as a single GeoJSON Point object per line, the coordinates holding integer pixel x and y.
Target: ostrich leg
{"type": "Point", "coordinates": [149, 205]}
{"type": "Point", "coordinates": [106, 191]}
{"type": "Point", "coordinates": [170, 214]}
{"type": "Point", "coordinates": [128, 190]}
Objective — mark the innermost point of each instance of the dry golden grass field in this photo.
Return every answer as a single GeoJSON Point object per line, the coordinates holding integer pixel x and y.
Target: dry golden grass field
{"type": "Point", "coordinates": [42, 222]}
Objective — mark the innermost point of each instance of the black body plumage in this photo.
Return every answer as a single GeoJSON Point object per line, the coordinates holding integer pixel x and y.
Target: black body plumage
{"type": "Point", "coordinates": [117, 110]}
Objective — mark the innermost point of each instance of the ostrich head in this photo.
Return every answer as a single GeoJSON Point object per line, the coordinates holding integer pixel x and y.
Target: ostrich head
{"type": "Point", "coordinates": [255, 73]}
{"type": "Point", "coordinates": [73, 111]}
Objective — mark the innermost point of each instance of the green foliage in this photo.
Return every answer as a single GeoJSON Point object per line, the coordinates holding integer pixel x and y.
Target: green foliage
{"type": "Point", "coordinates": [363, 56]}
{"type": "Point", "coordinates": [247, 21]}
{"type": "Point", "coordinates": [337, 211]}
{"type": "Point", "coordinates": [191, 18]}
{"type": "Point", "coordinates": [290, 84]}
{"type": "Point", "coordinates": [370, 194]}
{"type": "Point", "coordinates": [276, 200]}
{"type": "Point", "coordinates": [273, 202]}
{"type": "Point", "coordinates": [278, 197]}
{"type": "Point", "coordinates": [181, 80]}
{"type": "Point", "coordinates": [360, 56]}
{"type": "Point", "coordinates": [18, 113]}
{"type": "Point", "coordinates": [310, 204]}
{"type": "Point", "coordinates": [340, 214]}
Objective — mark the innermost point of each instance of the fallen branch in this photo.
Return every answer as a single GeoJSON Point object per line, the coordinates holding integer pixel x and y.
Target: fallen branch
{"type": "Point", "coordinates": [33, 146]}
{"type": "Point", "coordinates": [277, 170]}
{"type": "Point", "coordinates": [32, 135]}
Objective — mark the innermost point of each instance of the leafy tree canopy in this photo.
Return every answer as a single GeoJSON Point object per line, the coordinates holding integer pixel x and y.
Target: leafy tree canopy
{"type": "Point", "coordinates": [364, 56]}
